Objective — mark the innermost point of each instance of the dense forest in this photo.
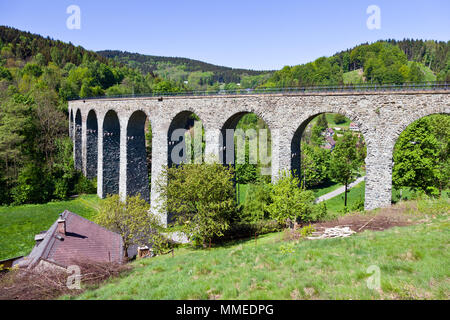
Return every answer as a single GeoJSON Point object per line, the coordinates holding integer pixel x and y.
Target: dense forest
{"type": "Point", "coordinates": [380, 62]}
{"type": "Point", "coordinates": [179, 69]}
{"type": "Point", "coordinates": [39, 75]}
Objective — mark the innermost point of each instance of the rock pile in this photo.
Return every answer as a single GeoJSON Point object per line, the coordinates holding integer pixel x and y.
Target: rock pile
{"type": "Point", "coordinates": [336, 232]}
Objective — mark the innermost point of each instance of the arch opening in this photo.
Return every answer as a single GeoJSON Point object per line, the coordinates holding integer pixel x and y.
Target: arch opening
{"type": "Point", "coordinates": [138, 160]}
{"type": "Point", "coordinates": [185, 138]}
{"type": "Point", "coordinates": [91, 145]}
{"type": "Point", "coordinates": [328, 156]}
{"type": "Point", "coordinates": [421, 159]}
{"type": "Point", "coordinates": [111, 153]}
{"type": "Point", "coordinates": [246, 145]}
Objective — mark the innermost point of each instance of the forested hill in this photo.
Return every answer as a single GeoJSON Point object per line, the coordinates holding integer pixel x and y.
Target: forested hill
{"type": "Point", "coordinates": [25, 45]}
{"type": "Point", "coordinates": [178, 69]}
{"type": "Point", "coordinates": [388, 61]}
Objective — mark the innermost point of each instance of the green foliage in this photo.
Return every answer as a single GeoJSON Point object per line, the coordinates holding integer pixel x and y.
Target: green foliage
{"type": "Point", "coordinates": [33, 185]}
{"type": "Point", "coordinates": [85, 185]}
{"type": "Point", "coordinates": [323, 71]}
{"type": "Point", "coordinates": [179, 69]}
{"type": "Point", "coordinates": [306, 231]}
{"type": "Point", "coordinates": [314, 165]}
{"type": "Point", "coordinates": [289, 201]}
{"type": "Point", "coordinates": [421, 160]}
{"type": "Point", "coordinates": [5, 73]}
{"type": "Point", "coordinates": [201, 196]}
{"type": "Point", "coordinates": [256, 205]}
{"type": "Point", "coordinates": [322, 121]}
{"type": "Point", "coordinates": [345, 161]}
{"type": "Point", "coordinates": [132, 220]}
{"type": "Point", "coordinates": [32, 69]}
{"type": "Point", "coordinates": [339, 118]}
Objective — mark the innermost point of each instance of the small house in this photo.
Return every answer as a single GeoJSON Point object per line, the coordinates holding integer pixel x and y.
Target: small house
{"type": "Point", "coordinates": [353, 127]}
{"type": "Point", "coordinates": [74, 238]}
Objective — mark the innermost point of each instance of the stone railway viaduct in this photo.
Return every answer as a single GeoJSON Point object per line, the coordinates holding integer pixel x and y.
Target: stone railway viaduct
{"type": "Point", "coordinates": [109, 138]}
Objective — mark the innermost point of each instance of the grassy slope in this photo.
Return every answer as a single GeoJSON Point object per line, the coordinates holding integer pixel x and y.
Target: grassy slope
{"type": "Point", "coordinates": [429, 74]}
{"type": "Point", "coordinates": [413, 261]}
{"type": "Point", "coordinates": [19, 224]}
{"type": "Point", "coordinates": [353, 77]}
{"type": "Point", "coordinates": [356, 77]}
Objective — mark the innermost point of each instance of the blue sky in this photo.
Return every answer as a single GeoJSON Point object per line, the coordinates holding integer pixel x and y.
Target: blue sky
{"type": "Point", "coordinates": [246, 34]}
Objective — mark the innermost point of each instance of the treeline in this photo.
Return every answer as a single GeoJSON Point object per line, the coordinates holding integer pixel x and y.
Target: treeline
{"type": "Point", "coordinates": [25, 45]}
{"type": "Point", "coordinates": [380, 62]}
{"type": "Point", "coordinates": [156, 64]}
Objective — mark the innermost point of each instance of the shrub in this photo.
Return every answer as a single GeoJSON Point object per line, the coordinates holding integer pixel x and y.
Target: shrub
{"type": "Point", "coordinates": [242, 230]}
{"type": "Point", "coordinates": [33, 185]}
{"type": "Point", "coordinates": [289, 201]}
{"type": "Point", "coordinates": [132, 220]}
{"type": "Point", "coordinates": [85, 185]}
{"type": "Point", "coordinates": [255, 206]}
{"type": "Point", "coordinates": [339, 118]}
{"type": "Point", "coordinates": [201, 197]}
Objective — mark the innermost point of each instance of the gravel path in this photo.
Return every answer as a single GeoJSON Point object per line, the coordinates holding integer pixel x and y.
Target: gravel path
{"type": "Point", "coordinates": [340, 190]}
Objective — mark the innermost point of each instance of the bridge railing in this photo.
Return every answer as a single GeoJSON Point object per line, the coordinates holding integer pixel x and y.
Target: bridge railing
{"type": "Point", "coordinates": [366, 87]}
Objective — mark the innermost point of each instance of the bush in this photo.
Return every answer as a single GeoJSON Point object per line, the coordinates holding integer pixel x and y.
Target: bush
{"type": "Point", "coordinates": [256, 204]}
{"type": "Point", "coordinates": [132, 220]}
{"type": "Point", "coordinates": [33, 185]}
{"type": "Point", "coordinates": [289, 201]}
{"type": "Point", "coordinates": [201, 197]}
{"type": "Point", "coordinates": [339, 118]}
{"type": "Point", "coordinates": [85, 185]}
{"type": "Point", "coordinates": [358, 206]}
{"type": "Point", "coordinates": [242, 230]}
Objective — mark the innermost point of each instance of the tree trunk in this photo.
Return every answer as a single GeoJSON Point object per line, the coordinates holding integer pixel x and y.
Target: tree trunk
{"type": "Point", "coordinates": [345, 201]}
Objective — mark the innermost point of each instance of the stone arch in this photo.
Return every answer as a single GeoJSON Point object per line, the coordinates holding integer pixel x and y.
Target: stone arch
{"type": "Point", "coordinates": [111, 153]}
{"type": "Point", "coordinates": [394, 139]}
{"type": "Point", "coordinates": [91, 145]}
{"type": "Point", "coordinates": [137, 171]}
{"type": "Point", "coordinates": [411, 118]}
{"type": "Point", "coordinates": [175, 138]}
{"type": "Point", "coordinates": [303, 123]}
{"type": "Point", "coordinates": [227, 154]}
{"type": "Point", "coordinates": [77, 140]}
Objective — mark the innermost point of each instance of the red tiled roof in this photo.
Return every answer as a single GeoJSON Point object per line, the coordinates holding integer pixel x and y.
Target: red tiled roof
{"type": "Point", "coordinates": [84, 240]}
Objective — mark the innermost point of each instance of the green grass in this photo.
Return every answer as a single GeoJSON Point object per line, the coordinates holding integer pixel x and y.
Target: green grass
{"type": "Point", "coordinates": [19, 224]}
{"type": "Point", "coordinates": [429, 74]}
{"type": "Point", "coordinates": [332, 124]}
{"type": "Point", "coordinates": [353, 77]}
{"type": "Point", "coordinates": [413, 262]}
{"type": "Point", "coordinates": [336, 204]}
